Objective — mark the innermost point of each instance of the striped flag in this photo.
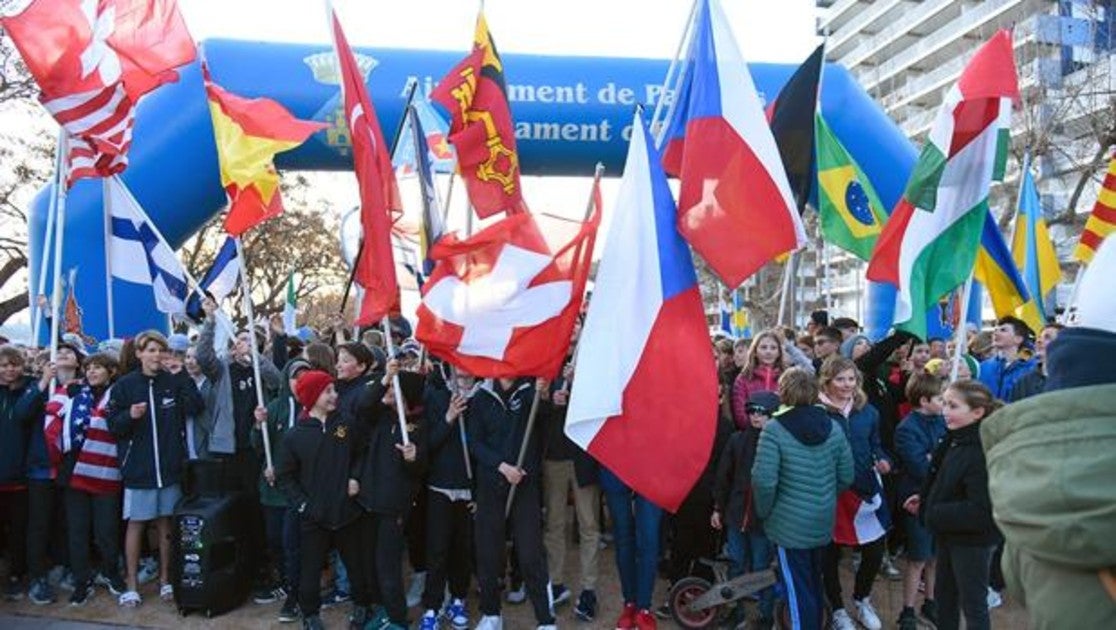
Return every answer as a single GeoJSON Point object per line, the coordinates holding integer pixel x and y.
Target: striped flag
{"type": "Point", "coordinates": [929, 244]}
{"type": "Point", "coordinates": [93, 60]}
{"type": "Point", "coordinates": [1103, 220]}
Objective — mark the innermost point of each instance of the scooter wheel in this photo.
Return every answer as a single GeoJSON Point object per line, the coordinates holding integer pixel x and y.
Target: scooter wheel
{"type": "Point", "coordinates": [685, 591]}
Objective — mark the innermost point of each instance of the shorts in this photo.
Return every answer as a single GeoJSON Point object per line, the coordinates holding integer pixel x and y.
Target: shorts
{"type": "Point", "coordinates": [920, 540]}
{"type": "Point", "coordinates": [145, 504]}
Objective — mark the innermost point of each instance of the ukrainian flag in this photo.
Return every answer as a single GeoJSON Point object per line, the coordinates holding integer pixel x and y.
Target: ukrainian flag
{"type": "Point", "coordinates": [996, 270]}
{"type": "Point", "coordinates": [1032, 248]}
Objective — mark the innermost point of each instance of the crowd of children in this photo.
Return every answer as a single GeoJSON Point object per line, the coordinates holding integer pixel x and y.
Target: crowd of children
{"type": "Point", "coordinates": [827, 443]}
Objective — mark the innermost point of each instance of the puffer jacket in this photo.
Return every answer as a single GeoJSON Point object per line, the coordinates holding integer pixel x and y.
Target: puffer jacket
{"type": "Point", "coordinates": [803, 460]}
{"type": "Point", "coordinates": [1051, 470]}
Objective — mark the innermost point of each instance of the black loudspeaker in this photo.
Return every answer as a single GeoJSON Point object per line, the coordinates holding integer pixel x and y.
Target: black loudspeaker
{"type": "Point", "coordinates": [210, 568]}
{"type": "Point", "coordinates": [210, 477]}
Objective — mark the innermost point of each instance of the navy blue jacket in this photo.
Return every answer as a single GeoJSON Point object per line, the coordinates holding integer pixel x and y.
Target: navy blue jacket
{"type": "Point", "coordinates": [152, 449]}
{"type": "Point", "coordinates": [496, 426]}
{"type": "Point", "coordinates": [915, 440]}
{"type": "Point", "coordinates": [862, 428]}
{"type": "Point", "coordinates": [20, 405]}
{"type": "Point", "coordinates": [447, 453]}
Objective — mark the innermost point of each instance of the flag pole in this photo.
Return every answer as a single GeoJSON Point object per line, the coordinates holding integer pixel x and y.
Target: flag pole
{"type": "Point", "coordinates": [531, 416]}
{"type": "Point", "coordinates": [106, 205]}
{"type": "Point", "coordinates": [59, 233]}
{"type": "Point", "coordinates": [48, 236]}
{"type": "Point", "coordinates": [401, 415]}
{"type": "Point", "coordinates": [461, 427]}
{"type": "Point", "coordinates": [412, 84]}
{"type": "Point", "coordinates": [1070, 313]}
{"type": "Point", "coordinates": [962, 328]}
{"type": "Point", "coordinates": [245, 294]}
{"type": "Point", "coordinates": [674, 66]}
{"type": "Point", "coordinates": [786, 287]}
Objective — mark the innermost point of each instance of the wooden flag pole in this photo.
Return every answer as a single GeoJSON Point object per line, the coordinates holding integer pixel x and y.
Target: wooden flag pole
{"type": "Point", "coordinates": [538, 392]}
{"type": "Point", "coordinates": [245, 294]}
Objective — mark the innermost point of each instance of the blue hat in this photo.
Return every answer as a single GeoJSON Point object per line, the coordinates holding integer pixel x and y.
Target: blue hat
{"type": "Point", "coordinates": [178, 342]}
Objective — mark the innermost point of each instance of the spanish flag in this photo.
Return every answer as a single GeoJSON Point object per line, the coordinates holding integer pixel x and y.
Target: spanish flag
{"type": "Point", "coordinates": [249, 132]}
{"type": "Point", "coordinates": [1103, 220]}
{"type": "Point", "coordinates": [481, 129]}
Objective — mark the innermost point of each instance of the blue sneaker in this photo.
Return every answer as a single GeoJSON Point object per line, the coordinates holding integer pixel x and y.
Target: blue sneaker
{"type": "Point", "coordinates": [457, 614]}
{"type": "Point", "coordinates": [377, 618]}
{"type": "Point", "coordinates": [334, 598]}
{"type": "Point", "coordinates": [41, 593]}
{"type": "Point", "coordinates": [429, 621]}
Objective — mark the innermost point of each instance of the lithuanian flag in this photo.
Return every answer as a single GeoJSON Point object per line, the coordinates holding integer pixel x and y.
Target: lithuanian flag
{"type": "Point", "coordinates": [851, 214]}
{"type": "Point", "coordinates": [249, 132]}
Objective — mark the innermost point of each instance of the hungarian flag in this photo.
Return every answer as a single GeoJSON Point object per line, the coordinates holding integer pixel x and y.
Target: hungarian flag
{"type": "Point", "coordinates": [735, 205]}
{"type": "Point", "coordinates": [379, 192]}
{"type": "Point", "coordinates": [481, 129]}
{"type": "Point", "coordinates": [503, 302]}
{"type": "Point", "coordinates": [850, 213]}
{"type": "Point", "coordinates": [929, 245]}
{"type": "Point", "coordinates": [792, 125]}
{"type": "Point", "coordinates": [249, 132]}
{"type": "Point", "coordinates": [1103, 220]}
{"type": "Point", "coordinates": [93, 60]}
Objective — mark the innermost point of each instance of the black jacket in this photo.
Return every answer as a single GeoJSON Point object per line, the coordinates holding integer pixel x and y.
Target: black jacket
{"type": "Point", "coordinates": [388, 484]}
{"type": "Point", "coordinates": [152, 449]}
{"type": "Point", "coordinates": [496, 425]}
{"type": "Point", "coordinates": [955, 501]}
{"type": "Point", "coordinates": [732, 486]}
{"type": "Point", "coordinates": [559, 447]}
{"type": "Point", "coordinates": [315, 467]}
{"type": "Point", "coordinates": [447, 452]}
{"type": "Point", "coordinates": [20, 405]}
{"type": "Point", "coordinates": [1030, 384]}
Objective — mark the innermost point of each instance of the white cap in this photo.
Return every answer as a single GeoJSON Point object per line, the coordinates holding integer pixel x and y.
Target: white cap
{"type": "Point", "coordinates": [1096, 301]}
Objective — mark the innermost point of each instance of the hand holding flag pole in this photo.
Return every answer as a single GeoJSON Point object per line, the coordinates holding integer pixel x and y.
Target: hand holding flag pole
{"type": "Point", "coordinates": [399, 411]}
{"type": "Point", "coordinates": [245, 293]}
{"type": "Point", "coordinates": [538, 391]}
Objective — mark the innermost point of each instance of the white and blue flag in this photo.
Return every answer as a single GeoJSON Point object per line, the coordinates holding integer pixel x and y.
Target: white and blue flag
{"type": "Point", "coordinates": [138, 253]}
{"type": "Point", "coordinates": [219, 281]}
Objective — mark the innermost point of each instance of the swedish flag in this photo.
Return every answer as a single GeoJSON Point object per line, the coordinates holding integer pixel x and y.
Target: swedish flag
{"type": "Point", "coordinates": [851, 214]}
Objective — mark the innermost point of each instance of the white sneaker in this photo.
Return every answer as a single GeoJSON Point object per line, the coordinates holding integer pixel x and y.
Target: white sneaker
{"type": "Point", "coordinates": [866, 614]}
{"type": "Point", "coordinates": [490, 622]}
{"type": "Point", "coordinates": [841, 621]}
{"type": "Point", "coordinates": [418, 585]}
{"type": "Point", "coordinates": [889, 570]}
{"type": "Point", "coordinates": [548, 626]}
{"type": "Point", "coordinates": [995, 600]}
{"type": "Point", "coordinates": [518, 596]}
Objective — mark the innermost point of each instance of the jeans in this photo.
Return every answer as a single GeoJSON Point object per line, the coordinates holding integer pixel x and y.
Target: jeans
{"type": "Point", "coordinates": [341, 582]}
{"type": "Point", "coordinates": [99, 514]}
{"type": "Point", "coordinates": [635, 526]}
{"type": "Point", "coordinates": [751, 551]}
{"type": "Point", "coordinates": [962, 586]}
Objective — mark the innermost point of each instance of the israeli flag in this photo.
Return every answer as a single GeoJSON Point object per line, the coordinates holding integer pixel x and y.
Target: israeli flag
{"type": "Point", "coordinates": [219, 281]}
{"type": "Point", "coordinates": [138, 253]}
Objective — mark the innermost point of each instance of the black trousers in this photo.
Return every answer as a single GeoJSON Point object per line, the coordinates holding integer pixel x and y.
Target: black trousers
{"type": "Point", "coordinates": [962, 586]}
{"type": "Point", "coordinates": [691, 537]}
{"type": "Point", "coordinates": [871, 559]}
{"type": "Point", "coordinates": [525, 523]}
{"type": "Point", "coordinates": [415, 531]}
{"type": "Point", "coordinates": [13, 518]}
{"type": "Point", "coordinates": [98, 514]}
{"type": "Point", "coordinates": [246, 469]}
{"type": "Point", "coordinates": [383, 563]}
{"type": "Point", "coordinates": [46, 527]}
{"type": "Point", "coordinates": [449, 527]}
{"type": "Point", "coordinates": [315, 542]}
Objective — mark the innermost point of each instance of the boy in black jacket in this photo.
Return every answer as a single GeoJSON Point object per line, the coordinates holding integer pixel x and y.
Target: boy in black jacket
{"type": "Point", "coordinates": [20, 404]}
{"type": "Point", "coordinates": [497, 426]}
{"type": "Point", "coordinates": [147, 410]}
{"type": "Point", "coordinates": [318, 470]}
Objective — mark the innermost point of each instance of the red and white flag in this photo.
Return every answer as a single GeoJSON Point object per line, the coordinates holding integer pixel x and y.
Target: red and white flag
{"type": "Point", "coordinates": [379, 192]}
{"type": "Point", "coordinates": [503, 302]}
{"type": "Point", "coordinates": [93, 60]}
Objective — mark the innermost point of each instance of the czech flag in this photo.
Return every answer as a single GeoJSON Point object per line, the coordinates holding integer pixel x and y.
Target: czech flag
{"type": "Point", "coordinates": [644, 395]}
{"type": "Point", "coordinates": [735, 205]}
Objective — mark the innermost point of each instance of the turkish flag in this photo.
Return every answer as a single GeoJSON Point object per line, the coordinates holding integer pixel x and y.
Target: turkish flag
{"type": "Point", "coordinates": [503, 303]}
{"type": "Point", "coordinates": [379, 192]}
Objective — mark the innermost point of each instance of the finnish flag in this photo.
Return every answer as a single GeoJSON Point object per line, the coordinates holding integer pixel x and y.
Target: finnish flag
{"type": "Point", "coordinates": [219, 281]}
{"type": "Point", "coordinates": [138, 253]}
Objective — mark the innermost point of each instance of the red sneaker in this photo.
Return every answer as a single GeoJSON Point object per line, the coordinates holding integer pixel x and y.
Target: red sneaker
{"type": "Point", "coordinates": [645, 620]}
{"type": "Point", "coordinates": [627, 620]}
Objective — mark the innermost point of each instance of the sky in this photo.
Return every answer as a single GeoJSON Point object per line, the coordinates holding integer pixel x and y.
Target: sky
{"type": "Point", "coordinates": [766, 30]}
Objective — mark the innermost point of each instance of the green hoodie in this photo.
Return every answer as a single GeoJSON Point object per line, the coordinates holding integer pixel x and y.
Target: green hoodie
{"type": "Point", "coordinates": [282, 414]}
{"type": "Point", "coordinates": [1052, 477]}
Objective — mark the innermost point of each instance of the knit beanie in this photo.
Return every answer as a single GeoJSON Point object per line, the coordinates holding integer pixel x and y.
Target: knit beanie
{"type": "Point", "coordinates": [849, 344]}
{"type": "Point", "coordinates": [309, 387]}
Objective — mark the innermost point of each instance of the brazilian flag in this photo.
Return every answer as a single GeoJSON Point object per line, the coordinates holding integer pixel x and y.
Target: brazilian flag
{"type": "Point", "coordinates": [851, 214]}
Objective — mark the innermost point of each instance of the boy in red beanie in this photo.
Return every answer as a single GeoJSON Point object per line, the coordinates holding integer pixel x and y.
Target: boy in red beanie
{"type": "Point", "coordinates": [318, 471]}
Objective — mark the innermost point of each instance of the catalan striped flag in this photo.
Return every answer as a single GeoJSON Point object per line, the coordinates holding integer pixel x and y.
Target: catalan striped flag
{"type": "Point", "coordinates": [1103, 220]}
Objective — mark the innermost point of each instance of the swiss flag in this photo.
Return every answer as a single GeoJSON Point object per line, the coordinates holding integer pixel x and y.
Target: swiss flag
{"type": "Point", "coordinates": [93, 60]}
{"type": "Point", "coordinates": [502, 303]}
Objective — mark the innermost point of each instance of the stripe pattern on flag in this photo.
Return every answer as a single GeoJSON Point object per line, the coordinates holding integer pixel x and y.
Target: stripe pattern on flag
{"type": "Point", "coordinates": [1103, 220]}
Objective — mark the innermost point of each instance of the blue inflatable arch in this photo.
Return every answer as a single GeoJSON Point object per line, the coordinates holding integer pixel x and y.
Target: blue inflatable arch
{"type": "Point", "coordinates": [571, 112]}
